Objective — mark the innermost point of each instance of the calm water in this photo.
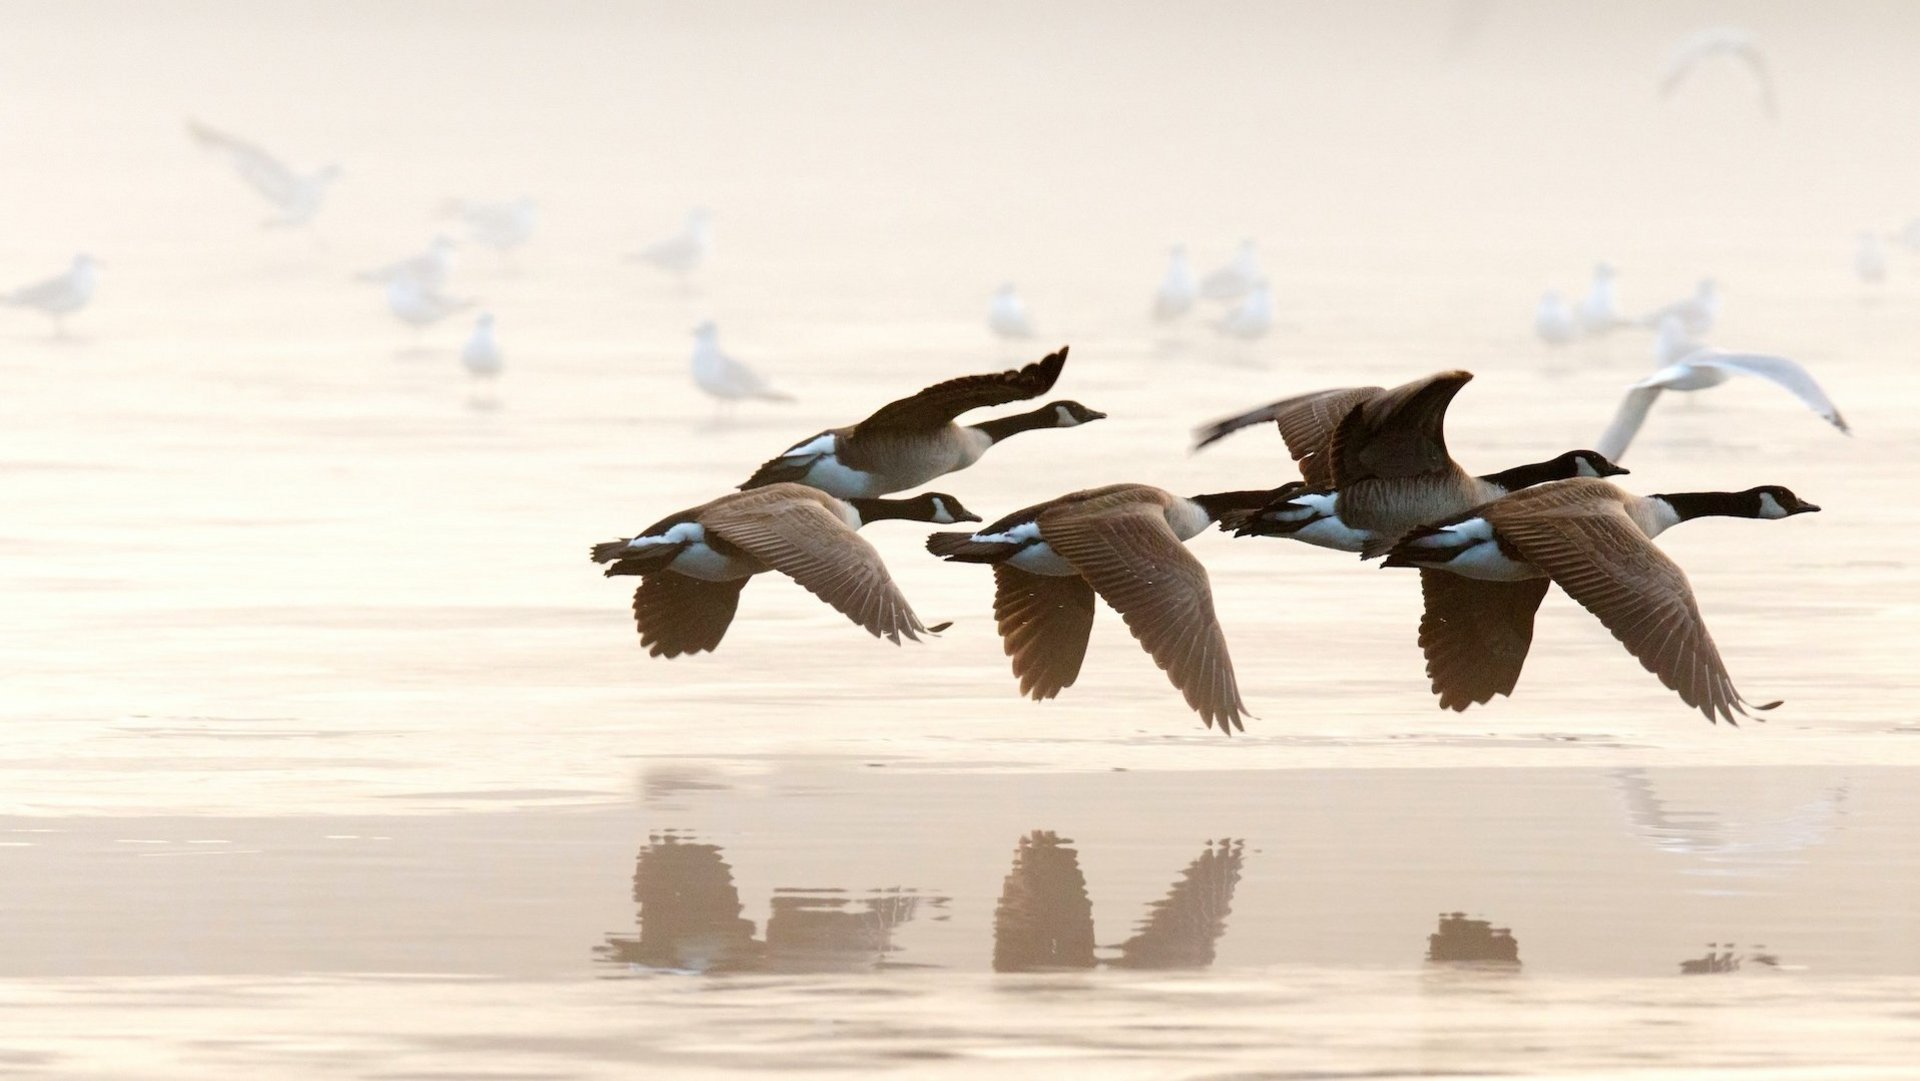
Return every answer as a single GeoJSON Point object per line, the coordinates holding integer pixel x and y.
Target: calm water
{"type": "Point", "coordinates": [327, 753]}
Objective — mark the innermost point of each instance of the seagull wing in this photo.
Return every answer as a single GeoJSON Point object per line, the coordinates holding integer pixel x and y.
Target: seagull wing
{"type": "Point", "coordinates": [268, 175]}
{"type": "Point", "coordinates": [1627, 420]}
{"type": "Point", "coordinates": [1786, 373]}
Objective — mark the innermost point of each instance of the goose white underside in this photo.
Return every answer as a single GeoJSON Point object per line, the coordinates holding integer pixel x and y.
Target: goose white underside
{"type": "Point", "coordinates": [698, 559]}
{"type": "Point", "coordinates": [1482, 559]}
{"type": "Point", "coordinates": [1333, 533]}
{"type": "Point", "coordinates": [1035, 556]}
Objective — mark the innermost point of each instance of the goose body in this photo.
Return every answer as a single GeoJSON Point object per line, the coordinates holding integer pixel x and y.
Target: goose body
{"type": "Point", "coordinates": [61, 295]}
{"type": "Point", "coordinates": [1125, 544]}
{"type": "Point", "coordinates": [911, 441]}
{"type": "Point", "coordinates": [693, 564]}
{"type": "Point", "coordinates": [1484, 573]}
{"type": "Point", "coordinates": [1375, 464]}
{"type": "Point", "coordinates": [1691, 366]}
{"type": "Point", "coordinates": [296, 196]}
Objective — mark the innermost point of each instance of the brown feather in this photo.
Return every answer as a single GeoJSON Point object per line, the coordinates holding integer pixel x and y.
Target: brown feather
{"type": "Point", "coordinates": [1044, 621]}
{"type": "Point", "coordinates": [1127, 552]}
{"type": "Point", "coordinates": [1398, 433]}
{"type": "Point", "coordinates": [940, 403]}
{"type": "Point", "coordinates": [1476, 634]}
{"type": "Point", "coordinates": [676, 614]}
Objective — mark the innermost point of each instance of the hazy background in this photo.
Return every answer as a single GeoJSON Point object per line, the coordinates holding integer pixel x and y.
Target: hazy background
{"type": "Point", "coordinates": [283, 605]}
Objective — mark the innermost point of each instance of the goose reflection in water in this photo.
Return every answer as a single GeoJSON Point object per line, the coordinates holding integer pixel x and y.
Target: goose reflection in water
{"type": "Point", "coordinates": [690, 919]}
{"type": "Point", "coordinates": [1044, 920]}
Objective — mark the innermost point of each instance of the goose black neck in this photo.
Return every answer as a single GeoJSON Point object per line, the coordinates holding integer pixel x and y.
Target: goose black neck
{"type": "Point", "coordinates": [1526, 476]}
{"type": "Point", "coordinates": [882, 509]}
{"type": "Point", "coordinates": [1219, 503]}
{"type": "Point", "coordinates": [1001, 427]}
{"type": "Point", "coordinates": [1690, 505]}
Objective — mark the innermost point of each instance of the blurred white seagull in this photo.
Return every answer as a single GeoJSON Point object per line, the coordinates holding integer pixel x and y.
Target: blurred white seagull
{"type": "Point", "coordinates": [1697, 367]}
{"type": "Point", "coordinates": [481, 355]}
{"type": "Point", "coordinates": [1870, 260]}
{"type": "Point", "coordinates": [1235, 280]}
{"type": "Point", "coordinates": [1728, 41]}
{"type": "Point", "coordinates": [60, 295]}
{"type": "Point", "coordinates": [1600, 311]}
{"type": "Point", "coordinates": [1253, 316]}
{"type": "Point", "coordinates": [418, 306]}
{"type": "Point", "coordinates": [297, 197]}
{"type": "Point", "coordinates": [1007, 316]}
{"type": "Point", "coordinates": [683, 252]}
{"type": "Point", "coordinates": [725, 379]}
{"type": "Point", "coordinates": [1696, 313]}
{"type": "Point", "coordinates": [1553, 319]}
{"type": "Point", "coordinates": [500, 226]}
{"type": "Point", "coordinates": [1178, 290]}
{"type": "Point", "coordinates": [430, 268]}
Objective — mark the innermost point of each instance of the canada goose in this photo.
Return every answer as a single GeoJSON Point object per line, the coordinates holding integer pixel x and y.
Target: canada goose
{"type": "Point", "coordinates": [1234, 280]}
{"type": "Point", "coordinates": [61, 295]}
{"type": "Point", "coordinates": [1007, 316]}
{"type": "Point", "coordinates": [1739, 44]}
{"type": "Point", "coordinates": [1375, 465]}
{"type": "Point", "coordinates": [1178, 290]}
{"type": "Point", "coordinates": [1124, 542]}
{"type": "Point", "coordinates": [909, 442]}
{"type": "Point", "coordinates": [693, 564]}
{"type": "Point", "coordinates": [1553, 319]}
{"type": "Point", "coordinates": [1485, 571]}
{"type": "Point", "coordinates": [725, 379]}
{"type": "Point", "coordinates": [1698, 367]}
{"type": "Point", "coordinates": [296, 197]}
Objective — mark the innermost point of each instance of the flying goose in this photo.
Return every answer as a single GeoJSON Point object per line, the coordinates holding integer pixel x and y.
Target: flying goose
{"type": "Point", "coordinates": [1485, 572]}
{"type": "Point", "coordinates": [1007, 316]}
{"type": "Point", "coordinates": [725, 379]}
{"type": "Point", "coordinates": [61, 295]}
{"type": "Point", "coordinates": [1739, 44]}
{"type": "Point", "coordinates": [1178, 290]}
{"type": "Point", "coordinates": [1375, 465]}
{"type": "Point", "coordinates": [909, 442]}
{"type": "Point", "coordinates": [692, 565]}
{"type": "Point", "coordinates": [297, 197]}
{"type": "Point", "coordinates": [1693, 366]}
{"type": "Point", "coordinates": [1123, 542]}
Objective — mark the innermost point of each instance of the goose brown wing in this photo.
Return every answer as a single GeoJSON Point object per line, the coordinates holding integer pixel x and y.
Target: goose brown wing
{"type": "Point", "coordinates": [1397, 433]}
{"type": "Point", "coordinates": [1606, 563]}
{"type": "Point", "coordinates": [940, 403]}
{"type": "Point", "coordinates": [1130, 556]}
{"type": "Point", "coordinates": [799, 537]}
{"type": "Point", "coordinates": [1044, 621]}
{"type": "Point", "coordinates": [1476, 634]}
{"type": "Point", "coordinates": [676, 614]}
{"type": "Point", "coordinates": [1306, 422]}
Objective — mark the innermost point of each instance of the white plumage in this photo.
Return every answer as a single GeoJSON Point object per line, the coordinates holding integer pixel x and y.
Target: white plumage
{"type": "Point", "coordinates": [1178, 289]}
{"type": "Point", "coordinates": [296, 196]}
{"type": "Point", "coordinates": [1737, 44]}
{"type": "Point", "coordinates": [1007, 315]}
{"type": "Point", "coordinates": [722, 377]}
{"type": "Point", "coordinates": [62, 294]}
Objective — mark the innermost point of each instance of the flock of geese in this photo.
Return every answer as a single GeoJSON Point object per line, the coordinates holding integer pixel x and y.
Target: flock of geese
{"type": "Point", "coordinates": [1376, 480]}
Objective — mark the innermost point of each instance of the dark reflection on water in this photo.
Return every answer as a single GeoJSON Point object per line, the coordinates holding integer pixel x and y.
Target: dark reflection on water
{"type": "Point", "coordinates": [1045, 918]}
{"type": "Point", "coordinates": [690, 919]}
{"type": "Point", "coordinates": [1460, 939]}
{"type": "Point", "coordinates": [1723, 957]}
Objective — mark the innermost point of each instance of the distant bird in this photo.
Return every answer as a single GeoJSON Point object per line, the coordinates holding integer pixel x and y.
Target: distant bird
{"type": "Point", "coordinates": [1688, 366]}
{"type": "Point", "coordinates": [430, 268]}
{"type": "Point", "coordinates": [1696, 313]}
{"type": "Point", "coordinates": [297, 197]}
{"type": "Point", "coordinates": [500, 226]}
{"type": "Point", "coordinates": [725, 379]}
{"type": "Point", "coordinates": [1178, 290]}
{"type": "Point", "coordinates": [1376, 465]}
{"type": "Point", "coordinates": [1553, 319]}
{"type": "Point", "coordinates": [685, 251]}
{"type": "Point", "coordinates": [61, 295]}
{"type": "Point", "coordinates": [1007, 316]}
{"type": "Point", "coordinates": [1909, 236]}
{"type": "Point", "coordinates": [1600, 311]}
{"type": "Point", "coordinates": [418, 306]}
{"type": "Point", "coordinates": [1485, 572]}
{"type": "Point", "coordinates": [1870, 260]}
{"type": "Point", "coordinates": [1719, 41]}
{"type": "Point", "coordinates": [1124, 542]}
{"type": "Point", "coordinates": [693, 565]}
{"type": "Point", "coordinates": [1252, 317]}
{"type": "Point", "coordinates": [1234, 280]}
{"type": "Point", "coordinates": [481, 355]}
{"type": "Point", "coordinates": [908, 442]}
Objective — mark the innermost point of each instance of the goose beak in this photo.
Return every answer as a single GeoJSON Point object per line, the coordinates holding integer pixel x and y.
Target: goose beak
{"type": "Point", "coordinates": [970, 517]}
{"type": "Point", "coordinates": [1617, 471]}
{"type": "Point", "coordinates": [1805, 508]}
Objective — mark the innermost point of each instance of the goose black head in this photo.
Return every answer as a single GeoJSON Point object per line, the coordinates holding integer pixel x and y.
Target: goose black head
{"type": "Point", "coordinates": [1591, 463]}
{"type": "Point", "coordinates": [1774, 501]}
{"type": "Point", "coordinates": [1069, 414]}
